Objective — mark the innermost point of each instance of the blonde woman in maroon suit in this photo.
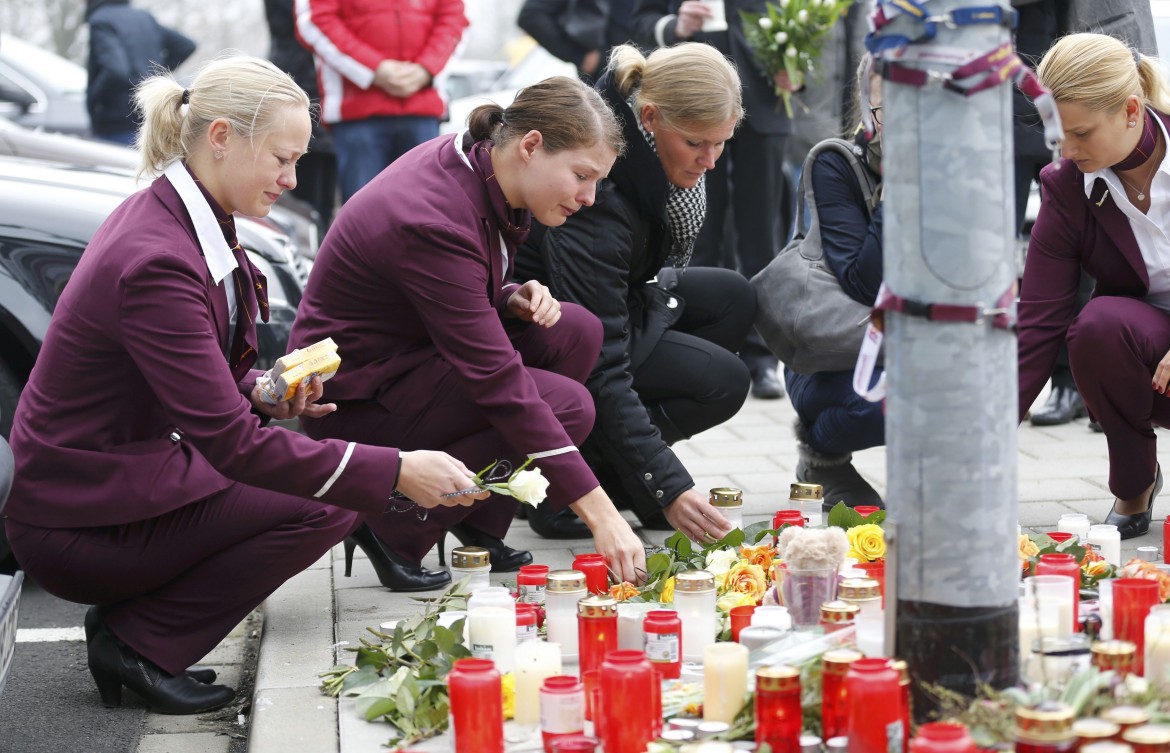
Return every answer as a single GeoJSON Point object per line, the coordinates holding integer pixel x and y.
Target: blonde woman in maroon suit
{"type": "Point", "coordinates": [147, 481]}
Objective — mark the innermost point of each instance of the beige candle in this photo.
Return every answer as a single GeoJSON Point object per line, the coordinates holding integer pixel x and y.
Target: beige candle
{"type": "Point", "coordinates": [725, 675]}
{"type": "Point", "coordinates": [536, 661]}
{"type": "Point", "coordinates": [1158, 644]}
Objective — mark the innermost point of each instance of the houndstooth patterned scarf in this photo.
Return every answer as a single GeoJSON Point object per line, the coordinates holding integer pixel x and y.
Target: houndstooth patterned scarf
{"type": "Point", "coordinates": [686, 208]}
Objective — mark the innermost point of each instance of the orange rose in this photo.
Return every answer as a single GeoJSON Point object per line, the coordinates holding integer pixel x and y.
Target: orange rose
{"type": "Point", "coordinates": [761, 555]}
{"type": "Point", "coordinates": [745, 578]}
{"type": "Point", "coordinates": [623, 591]}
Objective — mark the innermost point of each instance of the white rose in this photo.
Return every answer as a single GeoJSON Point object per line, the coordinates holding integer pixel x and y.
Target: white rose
{"type": "Point", "coordinates": [791, 52]}
{"type": "Point", "coordinates": [719, 561]}
{"type": "Point", "coordinates": [765, 23]}
{"type": "Point", "coordinates": [530, 487]}
{"type": "Point", "coordinates": [781, 37]}
{"type": "Point", "coordinates": [783, 3]}
{"type": "Point", "coordinates": [802, 16]}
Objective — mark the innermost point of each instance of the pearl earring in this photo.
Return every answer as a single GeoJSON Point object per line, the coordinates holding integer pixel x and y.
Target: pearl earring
{"type": "Point", "coordinates": [219, 154]}
{"type": "Point", "coordinates": [1133, 124]}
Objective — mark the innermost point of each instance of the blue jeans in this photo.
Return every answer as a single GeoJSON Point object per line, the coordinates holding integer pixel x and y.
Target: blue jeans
{"type": "Point", "coordinates": [367, 147]}
{"type": "Point", "coordinates": [837, 420]}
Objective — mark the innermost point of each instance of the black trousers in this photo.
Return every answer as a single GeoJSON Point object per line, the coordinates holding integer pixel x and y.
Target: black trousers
{"type": "Point", "coordinates": [693, 379]}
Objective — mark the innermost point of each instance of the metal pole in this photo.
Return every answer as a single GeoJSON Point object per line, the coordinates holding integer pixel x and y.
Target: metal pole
{"type": "Point", "coordinates": [951, 405]}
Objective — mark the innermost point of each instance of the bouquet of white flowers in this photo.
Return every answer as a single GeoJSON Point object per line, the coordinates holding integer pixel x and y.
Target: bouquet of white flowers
{"type": "Point", "coordinates": [789, 37]}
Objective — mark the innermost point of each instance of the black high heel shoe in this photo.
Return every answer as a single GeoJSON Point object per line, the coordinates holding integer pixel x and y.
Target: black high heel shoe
{"type": "Point", "coordinates": [556, 524]}
{"type": "Point", "coordinates": [1138, 524]}
{"type": "Point", "coordinates": [504, 559]}
{"type": "Point", "coordinates": [392, 572]}
{"type": "Point", "coordinates": [114, 664]}
{"type": "Point", "coordinates": [94, 617]}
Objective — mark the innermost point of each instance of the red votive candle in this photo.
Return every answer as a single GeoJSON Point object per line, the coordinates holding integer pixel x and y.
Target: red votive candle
{"type": "Point", "coordinates": [596, 630]}
{"type": "Point", "coordinates": [662, 642]}
{"type": "Point", "coordinates": [629, 686]}
{"type": "Point", "coordinates": [477, 706]}
{"type": "Point", "coordinates": [1059, 563]}
{"type": "Point", "coordinates": [778, 713]}
{"type": "Point", "coordinates": [942, 737]}
{"type": "Point", "coordinates": [1060, 536]}
{"type": "Point", "coordinates": [875, 707]}
{"type": "Point", "coordinates": [1132, 599]}
{"type": "Point", "coordinates": [833, 691]}
{"type": "Point", "coordinates": [741, 617]}
{"type": "Point", "coordinates": [562, 709]}
{"type": "Point", "coordinates": [596, 574]}
{"type": "Point", "coordinates": [866, 510]}
{"type": "Point", "coordinates": [877, 571]}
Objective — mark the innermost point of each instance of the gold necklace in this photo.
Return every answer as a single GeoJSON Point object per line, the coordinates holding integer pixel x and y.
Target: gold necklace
{"type": "Point", "coordinates": [1141, 192]}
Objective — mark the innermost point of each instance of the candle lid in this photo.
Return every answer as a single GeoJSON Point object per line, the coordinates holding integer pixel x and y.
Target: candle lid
{"type": "Point", "coordinates": [538, 571]}
{"type": "Point", "coordinates": [597, 605]}
{"type": "Point", "coordinates": [778, 678]}
{"type": "Point", "coordinates": [1114, 648]}
{"type": "Point", "coordinates": [710, 729]}
{"type": "Point", "coordinates": [838, 611]}
{"type": "Point", "coordinates": [806, 491]}
{"type": "Point", "coordinates": [685, 723]}
{"type": "Point", "coordinates": [694, 580]}
{"type": "Point", "coordinates": [903, 669]}
{"type": "Point", "coordinates": [563, 581]}
{"type": "Point", "coordinates": [1126, 715]}
{"type": "Point", "coordinates": [470, 556]}
{"type": "Point", "coordinates": [837, 743]}
{"type": "Point", "coordinates": [1148, 734]}
{"type": "Point", "coordinates": [726, 496]}
{"type": "Point", "coordinates": [1048, 722]}
{"type": "Point", "coordinates": [859, 589]}
{"type": "Point", "coordinates": [677, 735]}
{"type": "Point", "coordinates": [838, 660]}
{"type": "Point", "coordinates": [1148, 553]}
{"type": "Point", "coordinates": [1094, 729]}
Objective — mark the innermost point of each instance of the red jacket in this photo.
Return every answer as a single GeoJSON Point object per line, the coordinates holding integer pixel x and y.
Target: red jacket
{"type": "Point", "coordinates": [350, 37]}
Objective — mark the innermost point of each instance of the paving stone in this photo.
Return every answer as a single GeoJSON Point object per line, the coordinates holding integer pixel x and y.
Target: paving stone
{"type": "Point", "coordinates": [204, 742]}
{"type": "Point", "coordinates": [293, 719]}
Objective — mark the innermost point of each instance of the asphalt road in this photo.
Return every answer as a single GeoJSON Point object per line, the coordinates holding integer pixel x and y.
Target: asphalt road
{"type": "Point", "coordinates": [50, 704]}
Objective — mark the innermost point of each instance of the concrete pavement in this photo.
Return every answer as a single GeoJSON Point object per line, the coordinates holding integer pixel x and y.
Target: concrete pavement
{"type": "Point", "coordinates": [310, 619]}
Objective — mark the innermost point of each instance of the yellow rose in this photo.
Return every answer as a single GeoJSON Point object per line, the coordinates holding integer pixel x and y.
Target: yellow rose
{"type": "Point", "coordinates": [668, 591]}
{"type": "Point", "coordinates": [1096, 568]}
{"type": "Point", "coordinates": [761, 555]}
{"type": "Point", "coordinates": [508, 687]}
{"type": "Point", "coordinates": [730, 600]}
{"type": "Point", "coordinates": [853, 554]}
{"type": "Point", "coordinates": [746, 578]}
{"type": "Point", "coordinates": [868, 540]}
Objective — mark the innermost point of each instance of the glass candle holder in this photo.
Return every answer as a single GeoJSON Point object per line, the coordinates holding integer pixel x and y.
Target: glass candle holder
{"type": "Point", "coordinates": [1132, 600]}
{"type": "Point", "coordinates": [725, 671]}
{"type": "Point", "coordinates": [536, 661]}
{"type": "Point", "coordinates": [630, 701]}
{"type": "Point", "coordinates": [662, 642]}
{"type": "Point", "coordinates": [942, 737]}
{"type": "Point", "coordinates": [1059, 563]}
{"type": "Point", "coordinates": [531, 581]}
{"type": "Point", "coordinates": [779, 719]}
{"type": "Point", "coordinates": [694, 599]}
{"type": "Point", "coordinates": [526, 623]}
{"type": "Point", "coordinates": [491, 626]}
{"type": "Point", "coordinates": [562, 709]}
{"type": "Point", "coordinates": [1157, 646]}
{"type": "Point", "coordinates": [1106, 540]}
{"type": "Point", "coordinates": [729, 501]}
{"type": "Point", "coordinates": [834, 712]}
{"type": "Point", "coordinates": [769, 615]}
{"type": "Point", "coordinates": [808, 498]}
{"type": "Point", "coordinates": [786, 518]}
{"type": "Point", "coordinates": [874, 696]}
{"type": "Point", "coordinates": [471, 562]}
{"type": "Point", "coordinates": [1053, 593]}
{"type": "Point", "coordinates": [1046, 728]}
{"type": "Point", "coordinates": [477, 706]}
{"type": "Point", "coordinates": [1056, 659]}
{"type": "Point", "coordinates": [1093, 730]}
{"type": "Point", "coordinates": [596, 630]}
{"type": "Point", "coordinates": [1105, 608]}
{"type": "Point", "coordinates": [564, 589]}
{"type": "Point", "coordinates": [1034, 623]}
{"type": "Point", "coordinates": [576, 744]}
{"type": "Point", "coordinates": [630, 618]}
{"type": "Point", "coordinates": [740, 617]}
{"type": "Point", "coordinates": [864, 593]}
{"type": "Point", "coordinates": [755, 637]}
{"type": "Point", "coordinates": [596, 573]}
{"type": "Point", "coordinates": [1076, 523]}
{"type": "Point", "coordinates": [1114, 655]}
{"type": "Point", "coordinates": [804, 592]}
{"type": "Point", "coordinates": [838, 615]}
{"type": "Point", "coordinates": [877, 571]}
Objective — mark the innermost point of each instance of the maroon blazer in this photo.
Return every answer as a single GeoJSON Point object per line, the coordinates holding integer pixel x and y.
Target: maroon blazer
{"type": "Point", "coordinates": [412, 270]}
{"type": "Point", "coordinates": [135, 350]}
{"type": "Point", "coordinates": [1072, 232]}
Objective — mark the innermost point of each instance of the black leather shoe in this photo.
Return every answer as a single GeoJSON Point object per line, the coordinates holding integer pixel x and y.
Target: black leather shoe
{"type": "Point", "coordinates": [1064, 405]}
{"type": "Point", "coordinates": [503, 558]}
{"type": "Point", "coordinates": [656, 522]}
{"type": "Point", "coordinates": [1096, 427]}
{"type": "Point", "coordinates": [556, 524]}
{"type": "Point", "coordinates": [393, 572]}
{"type": "Point", "coordinates": [94, 616]}
{"type": "Point", "coordinates": [1138, 524]}
{"type": "Point", "coordinates": [114, 664]}
{"type": "Point", "coordinates": [766, 385]}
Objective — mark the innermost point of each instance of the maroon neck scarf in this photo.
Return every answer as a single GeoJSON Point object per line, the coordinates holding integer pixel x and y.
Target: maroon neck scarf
{"type": "Point", "coordinates": [514, 223]}
{"type": "Point", "coordinates": [1145, 146]}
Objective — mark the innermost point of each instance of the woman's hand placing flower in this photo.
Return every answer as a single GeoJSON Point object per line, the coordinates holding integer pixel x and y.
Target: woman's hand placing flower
{"type": "Point", "coordinates": [530, 487]}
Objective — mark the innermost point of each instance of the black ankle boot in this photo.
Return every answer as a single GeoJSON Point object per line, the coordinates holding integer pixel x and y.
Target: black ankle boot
{"type": "Point", "coordinates": [114, 664]}
{"type": "Point", "coordinates": [94, 616]}
{"type": "Point", "coordinates": [503, 558]}
{"type": "Point", "coordinates": [839, 480]}
{"type": "Point", "coordinates": [392, 572]}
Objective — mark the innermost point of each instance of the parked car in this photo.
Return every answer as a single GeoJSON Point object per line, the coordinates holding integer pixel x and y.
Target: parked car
{"type": "Point", "coordinates": [41, 89]}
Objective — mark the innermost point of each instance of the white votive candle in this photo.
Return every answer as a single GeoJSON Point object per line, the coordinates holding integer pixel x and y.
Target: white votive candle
{"type": "Point", "coordinates": [1106, 540]}
{"type": "Point", "coordinates": [536, 661]}
{"type": "Point", "coordinates": [1034, 624]}
{"type": "Point", "coordinates": [1157, 655]}
{"type": "Point", "coordinates": [772, 616]}
{"type": "Point", "coordinates": [1076, 523]}
{"type": "Point", "coordinates": [491, 626]}
{"type": "Point", "coordinates": [630, 617]}
{"type": "Point", "coordinates": [1105, 607]}
{"type": "Point", "coordinates": [725, 671]}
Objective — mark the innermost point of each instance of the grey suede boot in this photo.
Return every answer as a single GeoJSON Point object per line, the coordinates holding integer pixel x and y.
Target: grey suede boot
{"type": "Point", "coordinates": [835, 473]}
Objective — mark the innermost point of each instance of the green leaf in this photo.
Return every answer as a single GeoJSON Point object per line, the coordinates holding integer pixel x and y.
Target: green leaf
{"type": "Point", "coordinates": [680, 544]}
{"type": "Point", "coordinates": [877, 518]}
{"type": "Point", "coordinates": [363, 678]}
{"type": "Point", "coordinates": [445, 639]}
{"type": "Point", "coordinates": [842, 516]}
{"type": "Point", "coordinates": [375, 708]}
{"type": "Point", "coordinates": [732, 539]}
{"type": "Point", "coordinates": [426, 650]}
{"type": "Point", "coordinates": [657, 564]}
{"type": "Point", "coordinates": [406, 698]}
{"type": "Point", "coordinates": [757, 531]}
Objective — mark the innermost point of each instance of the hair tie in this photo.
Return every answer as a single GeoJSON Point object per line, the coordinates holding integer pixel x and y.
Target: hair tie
{"type": "Point", "coordinates": [186, 96]}
{"type": "Point", "coordinates": [1137, 57]}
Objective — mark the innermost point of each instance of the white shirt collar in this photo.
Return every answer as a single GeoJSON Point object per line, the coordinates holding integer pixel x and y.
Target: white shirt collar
{"type": "Point", "coordinates": [1111, 178]}
{"type": "Point", "coordinates": [218, 255]}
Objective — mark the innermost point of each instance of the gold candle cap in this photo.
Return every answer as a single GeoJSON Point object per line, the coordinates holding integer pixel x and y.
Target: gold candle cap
{"type": "Point", "coordinates": [1126, 716]}
{"type": "Point", "coordinates": [1106, 746]}
{"type": "Point", "coordinates": [1048, 722]}
{"type": "Point", "coordinates": [903, 669]}
{"type": "Point", "coordinates": [1093, 728]}
{"type": "Point", "coordinates": [806, 491]}
{"type": "Point", "coordinates": [565, 581]}
{"type": "Point", "coordinates": [470, 556]}
{"type": "Point", "coordinates": [1113, 648]}
{"type": "Point", "coordinates": [694, 580]}
{"type": "Point", "coordinates": [597, 605]}
{"type": "Point", "coordinates": [838, 660]}
{"type": "Point", "coordinates": [838, 611]}
{"type": "Point", "coordinates": [726, 496]}
{"type": "Point", "coordinates": [859, 589]}
{"type": "Point", "coordinates": [779, 678]}
{"type": "Point", "coordinates": [1148, 734]}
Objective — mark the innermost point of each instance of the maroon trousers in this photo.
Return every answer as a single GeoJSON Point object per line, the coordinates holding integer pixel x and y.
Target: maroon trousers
{"type": "Point", "coordinates": [175, 585]}
{"type": "Point", "coordinates": [558, 360]}
{"type": "Point", "coordinates": [1114, 346]}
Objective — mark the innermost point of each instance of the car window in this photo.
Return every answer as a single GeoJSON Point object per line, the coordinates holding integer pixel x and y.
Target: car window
{"type": "Point", "coordinates": [41, 268]}
{"type": "Point", "coordinates": [47, 68]}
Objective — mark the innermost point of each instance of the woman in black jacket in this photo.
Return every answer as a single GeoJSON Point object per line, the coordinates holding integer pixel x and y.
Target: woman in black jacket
{"type": "Point", "coordinates": [668, 367]}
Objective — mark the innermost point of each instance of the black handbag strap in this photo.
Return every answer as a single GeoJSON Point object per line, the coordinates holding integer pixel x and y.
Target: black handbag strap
{"type": "Point", "coordinates": [807, 205]}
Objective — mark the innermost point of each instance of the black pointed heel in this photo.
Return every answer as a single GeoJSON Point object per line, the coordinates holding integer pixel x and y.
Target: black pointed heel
{"type": "Point", "coordinates": [1138, 524]}
{"type": "Point", "coordinates": [113, 665]}
{"type": "Point", "coordinates": [504, 558]}
{"type": "Point", "coordinates": [442, 547]}
{"type": "Point", "coordinates": [392, 572]}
